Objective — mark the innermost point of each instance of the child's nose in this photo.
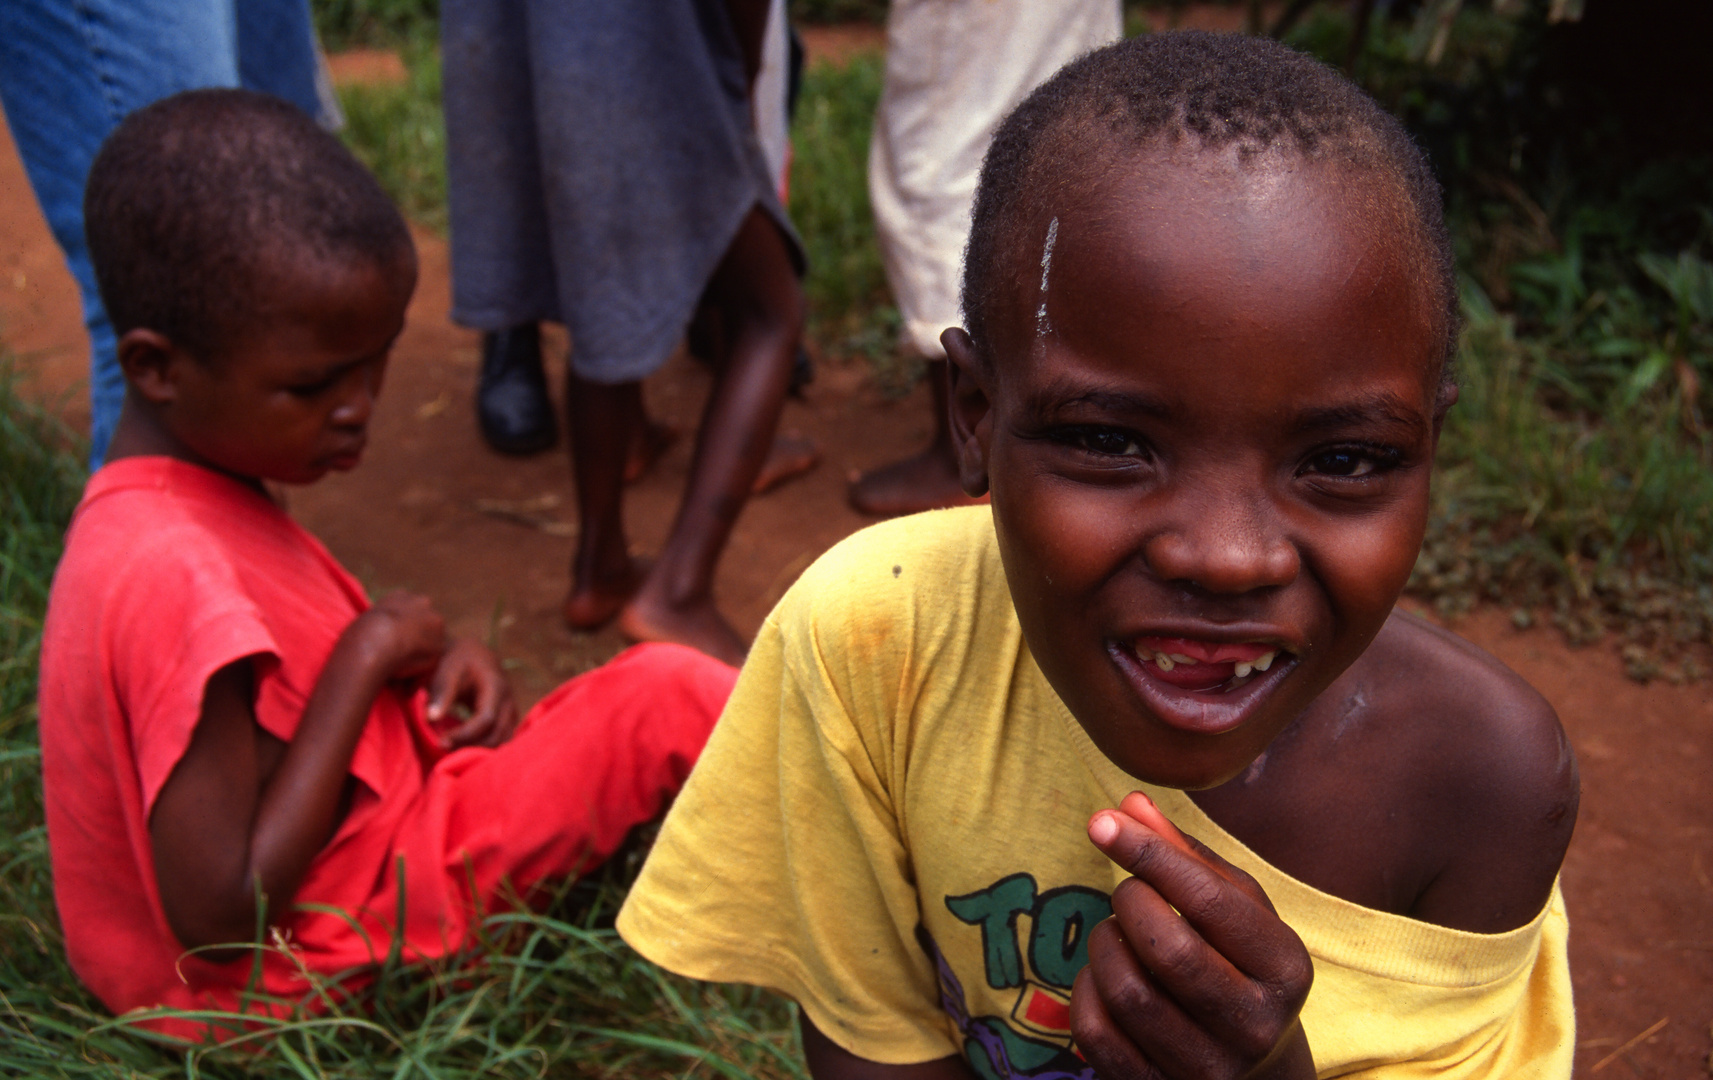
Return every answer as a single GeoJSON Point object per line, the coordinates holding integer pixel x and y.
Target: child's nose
{"type": "Point", "coordinates": [358, 403]}
{"type": "Point", "coordinates": [1228, 550]}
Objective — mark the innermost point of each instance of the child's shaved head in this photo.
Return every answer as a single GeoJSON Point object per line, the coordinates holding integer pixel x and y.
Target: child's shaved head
{"type": "Point", "coordinates": [197, 203]}
{"type": "Point", "coordinates": [1249, 98]}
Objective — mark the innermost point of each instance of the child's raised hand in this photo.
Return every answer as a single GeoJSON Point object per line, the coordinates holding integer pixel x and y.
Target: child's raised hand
{"type": "Point", "coordinates": [1208, 990]}
{"type": "Point", "coordinates": [409, 635]}
{"type": "Point", "coordinates": [470, 675]}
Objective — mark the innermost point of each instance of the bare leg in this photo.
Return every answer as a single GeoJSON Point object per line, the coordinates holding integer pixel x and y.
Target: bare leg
{"type": "Point", "coordinates": [761, 307]}
{"type": "Point", "coordinates": [604, 421]}
{"type": "Point", "coordinates": [648, 445]}
{"type": "Point", "coordinates": [791, 455]}
{"type": "Point", "coordinates": [926, 481]}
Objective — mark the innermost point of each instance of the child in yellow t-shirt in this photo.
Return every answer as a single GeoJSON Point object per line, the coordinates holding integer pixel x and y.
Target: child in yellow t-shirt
{"type": "Point", "coordinates": [1098, 782]}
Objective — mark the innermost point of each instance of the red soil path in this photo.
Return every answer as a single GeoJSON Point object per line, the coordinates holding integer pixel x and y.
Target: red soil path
{"type": "Point", "coordinates": [432, 509]}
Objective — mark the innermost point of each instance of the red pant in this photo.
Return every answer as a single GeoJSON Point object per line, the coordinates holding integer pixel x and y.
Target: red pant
{"type": "Point", "coordinates": [594, 758]}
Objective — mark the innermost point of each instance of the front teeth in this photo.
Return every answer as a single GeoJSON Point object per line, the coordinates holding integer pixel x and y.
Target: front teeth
{"type": "Point", "coordinates": [1168, 661]}
{"type": "Point", "coordinates": [1260, 663]}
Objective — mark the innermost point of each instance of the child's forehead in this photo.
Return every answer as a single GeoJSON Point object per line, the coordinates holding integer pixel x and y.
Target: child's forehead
{"type": "Point", "coordinates": [1268, 194]}
{"type": "Point", "coordinates": [1169, 220]}
{"type": "Point", "coordinates": [1165, 263]}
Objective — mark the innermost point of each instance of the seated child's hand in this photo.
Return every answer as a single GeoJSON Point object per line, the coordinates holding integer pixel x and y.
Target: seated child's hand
{"type": "Point", "coordinates": [1209, 990]}
{"type": "Point", "coordinates": [470, 675]}
{"type": "Point", "coordinates": [406, 632]}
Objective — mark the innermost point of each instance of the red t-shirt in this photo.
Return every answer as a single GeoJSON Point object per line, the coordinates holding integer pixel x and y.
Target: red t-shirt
{"type": "Point", "coordinates": [170, 573]}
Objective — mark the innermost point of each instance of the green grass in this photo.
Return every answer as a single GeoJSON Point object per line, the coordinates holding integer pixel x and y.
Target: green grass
{"type": "Point", "coordinates": [850, 310]}
{"type": "Point", "coordinates": [352, 24]}
{"type": "Point", "coordinates": [551, 994]}
{"type": "Point", "coordinates": [399, 131]}
{"type": "Point", "coordinates": [1602, 522]}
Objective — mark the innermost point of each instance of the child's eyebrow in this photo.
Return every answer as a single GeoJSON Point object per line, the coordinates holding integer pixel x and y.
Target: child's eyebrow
{"type": "Point", "coordinates": [1064, 393]}
{"type": "Point", "coordinates": [1383, 408]}
{"type": "Point", "coordinates": [325, 372]}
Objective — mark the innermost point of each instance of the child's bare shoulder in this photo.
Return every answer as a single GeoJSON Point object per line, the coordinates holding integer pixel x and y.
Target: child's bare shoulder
{"type": "Point", "coordinates": [1461, 707]}
{"type": "Point", "coordinates": [1482, 764]}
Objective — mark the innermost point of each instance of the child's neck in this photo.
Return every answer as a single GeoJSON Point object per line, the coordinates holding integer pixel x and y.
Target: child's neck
{"type": "Point", "coordinates": [140, 433]}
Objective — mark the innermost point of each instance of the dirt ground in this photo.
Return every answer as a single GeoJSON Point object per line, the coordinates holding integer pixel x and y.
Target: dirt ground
{"type": "Point", "coordinates": [432, 509]}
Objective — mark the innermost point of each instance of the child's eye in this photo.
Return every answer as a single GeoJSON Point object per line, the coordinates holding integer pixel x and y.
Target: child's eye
{"type": "Point", "coordinates": [310, 389]}
{"type": "Point", "coordinates": [1351, 462]}
{"type": "Point", "coordinates": [1105, 442]}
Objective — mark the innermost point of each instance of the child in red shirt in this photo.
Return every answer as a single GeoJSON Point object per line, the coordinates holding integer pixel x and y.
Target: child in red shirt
{"type": "Point", "coordinates": [232, 736]}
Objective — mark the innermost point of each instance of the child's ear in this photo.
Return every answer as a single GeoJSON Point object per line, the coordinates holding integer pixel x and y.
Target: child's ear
{"type": "Point", "coordinates": [971, 409]}
{"type": "Point", "coordinates": [149, 360]}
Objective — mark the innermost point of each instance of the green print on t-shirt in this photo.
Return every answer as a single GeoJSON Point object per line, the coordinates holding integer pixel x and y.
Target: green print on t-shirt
{"type": "Point", "coordinates": [1058, 939]}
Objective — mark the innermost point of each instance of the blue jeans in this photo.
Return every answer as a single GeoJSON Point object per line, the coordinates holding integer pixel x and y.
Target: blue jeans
{"type": "Point", "coordinates": [70, 70]}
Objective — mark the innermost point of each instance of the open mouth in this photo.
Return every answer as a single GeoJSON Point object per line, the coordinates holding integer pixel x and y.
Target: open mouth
{"type": "Point", "coordinates": [1203, 686]}
{"type": "Point", "coordinates": [1204, 665]}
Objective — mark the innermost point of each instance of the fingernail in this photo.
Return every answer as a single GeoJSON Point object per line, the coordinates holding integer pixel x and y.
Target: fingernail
{"type": "Point", "coordinates": [1103, 829]}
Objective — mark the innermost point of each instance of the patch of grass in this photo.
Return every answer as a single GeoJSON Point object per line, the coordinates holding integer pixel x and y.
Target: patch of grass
{"type": "Point", "coordinates": [356, 24]}
{"type": "Point", "coordinates": [850, 309]}
{"type": "Point", "coordinates": [399, 132]}
{"type": "Point", "coordinates": [1603, 523]}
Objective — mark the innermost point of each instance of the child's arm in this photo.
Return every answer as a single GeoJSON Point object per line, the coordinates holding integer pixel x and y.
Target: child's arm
{"type": "Point", "coordinates": [1194, 976]}
{"type": "Point", "coordinates": [238, 817]}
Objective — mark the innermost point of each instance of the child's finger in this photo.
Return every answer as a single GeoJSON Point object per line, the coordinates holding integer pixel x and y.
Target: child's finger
{"type": "Point", "coordinates": [1142, 808]}
{"type": "Point", "coordinates": [444, 686]}
{"type": "Point", "coordinates": [1143, 1004]}
{"type": "Point", "coordinates": [505, 720]}
{"type": "Point", "coordinates": [1237, 1011]}
{"type": "Point", "coordinates": [470, 732]}
{"type": "Point", "coordinates": [1099, 1038]}
{"type": "Point", "coordinates": [491, 693]}
{"type": "Point", "coordinates": [1230, 913]}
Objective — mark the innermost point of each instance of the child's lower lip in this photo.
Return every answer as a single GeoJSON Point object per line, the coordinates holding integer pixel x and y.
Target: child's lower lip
{"type": "Point", "coordinates": [346, 459]}
{"type": "Point", "coordinates": [1190, 697]}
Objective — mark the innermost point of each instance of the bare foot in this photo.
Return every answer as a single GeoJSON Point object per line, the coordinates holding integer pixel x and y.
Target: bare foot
{"type": "Point", "coordinates": [791, 455]}
{"type": "Point", "coordinates": [595, 600]}
{"type": "Point", "coordinates": [927, 481]}
{"type": "Point", "coordinates": [652, 441]}
{"type": "Point", "coordinates": [698, 625]}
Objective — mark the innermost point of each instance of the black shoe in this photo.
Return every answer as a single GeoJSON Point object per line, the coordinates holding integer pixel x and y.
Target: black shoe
{"type": "Point", "coordinates": [512, 403]}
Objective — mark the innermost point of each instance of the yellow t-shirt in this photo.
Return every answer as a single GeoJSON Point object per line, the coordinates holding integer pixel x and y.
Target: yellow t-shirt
{"type": "Point", "coordinates": [888, 826]}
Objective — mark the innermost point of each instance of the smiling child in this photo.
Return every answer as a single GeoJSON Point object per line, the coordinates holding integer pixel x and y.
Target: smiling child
{"type": "Point", "coordinates": [1139, 773]}
{"type": "Point", "coordinates": [233, 738]}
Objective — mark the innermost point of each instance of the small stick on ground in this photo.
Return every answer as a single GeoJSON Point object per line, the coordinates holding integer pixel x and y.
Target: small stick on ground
{"type": "Point", "coordinates": [1614, 1055]}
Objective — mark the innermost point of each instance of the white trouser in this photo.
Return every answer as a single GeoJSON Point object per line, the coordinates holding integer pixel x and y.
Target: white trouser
{"type": "Point", "coordinates": [954, 69]}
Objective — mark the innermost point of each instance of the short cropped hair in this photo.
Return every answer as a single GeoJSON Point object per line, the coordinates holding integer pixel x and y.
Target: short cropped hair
{"type": "Point", "coordinates": [1211, 92]}
{"type": "Point", "coordinates": [195, 202]}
